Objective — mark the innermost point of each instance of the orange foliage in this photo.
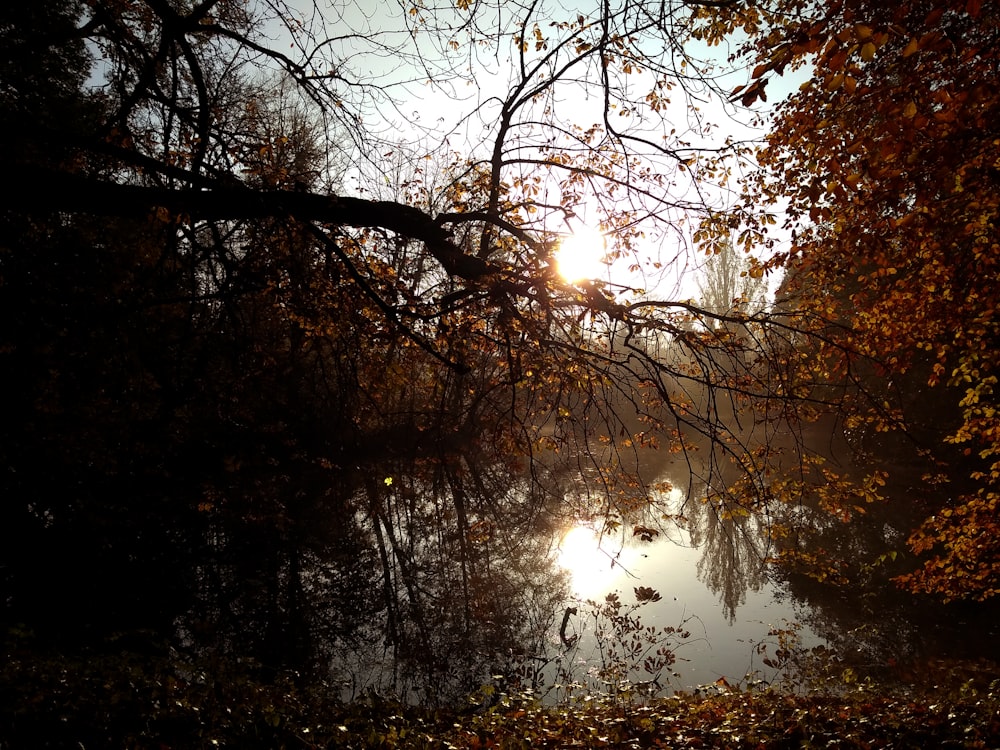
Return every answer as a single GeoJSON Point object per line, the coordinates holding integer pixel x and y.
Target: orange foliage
{"type": "Point", "coordinates": [888, 159]}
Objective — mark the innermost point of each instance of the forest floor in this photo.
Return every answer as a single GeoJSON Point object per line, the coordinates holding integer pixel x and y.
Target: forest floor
{"type": "Point", "coordinates": [858, 719]}
{"type": "Point", "coordinates": [115, 700]}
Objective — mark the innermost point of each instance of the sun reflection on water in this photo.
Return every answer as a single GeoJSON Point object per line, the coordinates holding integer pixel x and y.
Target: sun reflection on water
{"type": "Point", "coordinates": [596, 564]}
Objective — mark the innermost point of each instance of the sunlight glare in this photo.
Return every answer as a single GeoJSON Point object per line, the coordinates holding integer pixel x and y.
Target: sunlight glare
{"type": "Point", "coordinates": [581, 255]}
{"type": "Point", "coordinates": [578, 548]}
{"type": "Point", "coordinates": [594, 564]}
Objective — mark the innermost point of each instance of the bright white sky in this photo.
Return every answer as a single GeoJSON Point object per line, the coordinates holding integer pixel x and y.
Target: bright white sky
{"type": "Point", "coordinates": [458, 113]}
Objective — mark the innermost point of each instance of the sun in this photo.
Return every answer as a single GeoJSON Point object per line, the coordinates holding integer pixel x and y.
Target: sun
{"type": "Point", "coordinates": [581, 255]}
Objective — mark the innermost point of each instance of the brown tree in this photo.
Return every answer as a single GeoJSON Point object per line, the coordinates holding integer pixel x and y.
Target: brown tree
{"type": "Point", "coordinates": [886, 158]}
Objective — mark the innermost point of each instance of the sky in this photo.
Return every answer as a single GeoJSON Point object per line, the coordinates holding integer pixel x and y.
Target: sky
{"type": "Point", "coordinates": [428, 107]}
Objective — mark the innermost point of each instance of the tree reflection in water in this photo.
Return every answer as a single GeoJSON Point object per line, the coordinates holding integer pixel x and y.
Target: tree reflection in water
{"type": "Point", "coordinates": [432, 577]}
{"type": "Point", "coordinates": [734, 552]}
{"type": "Point", "coordinates": [838, 568]}
{"type": "Point", "coordinates": [873, 627]}
{"type": "Point", "coordinates": [466, 576]}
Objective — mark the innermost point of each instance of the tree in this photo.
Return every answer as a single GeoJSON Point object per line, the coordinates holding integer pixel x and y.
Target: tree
{"type": "Point", "coordinates": [886, 157]}
{"type": "Point", "coordinates": [728, 286]}
{"type": "Point", "coordinates": [460, 265]}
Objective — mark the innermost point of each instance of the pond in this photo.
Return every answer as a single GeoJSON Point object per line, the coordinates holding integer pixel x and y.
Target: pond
{"type": "Point", "coordinates": [713, 582]}
{"type": "Point", "coordinates": [695, 600]}
{"type": "Point", "coordinates": [729, 638]}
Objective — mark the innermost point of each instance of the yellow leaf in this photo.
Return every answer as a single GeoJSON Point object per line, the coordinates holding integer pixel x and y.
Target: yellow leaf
{"type": "Point", "coordinates": [910, 48]}
{"type": "Point", "coordinates": [910, 110]}
{"type": "Point", "coordinates": [868, 52]}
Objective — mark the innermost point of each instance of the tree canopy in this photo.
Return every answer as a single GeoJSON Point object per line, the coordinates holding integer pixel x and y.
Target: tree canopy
{"type": "Point", "coordinates": [886, 161]}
